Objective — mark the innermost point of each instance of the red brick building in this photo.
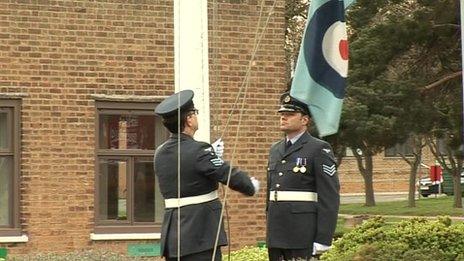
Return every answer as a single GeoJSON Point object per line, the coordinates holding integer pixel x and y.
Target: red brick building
{"type": "Point", "coordinates": [390, 174]}
{"type": "Point", "coordinates": [78, 84]}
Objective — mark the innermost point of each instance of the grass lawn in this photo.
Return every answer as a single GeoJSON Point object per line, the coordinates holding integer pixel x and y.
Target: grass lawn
{"type": "Point", "coordinates": [431, 206]}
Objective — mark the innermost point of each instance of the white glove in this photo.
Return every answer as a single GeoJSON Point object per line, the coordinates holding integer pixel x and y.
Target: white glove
{"type": "Point", "coordinates": [319, 248]}
{"type": "Point", "coordinates": [255, 183]}
{"type": "Point", "coordinates": [218, 147]}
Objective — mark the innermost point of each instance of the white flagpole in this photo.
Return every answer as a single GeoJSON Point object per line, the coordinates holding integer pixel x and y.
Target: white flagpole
{"type": "Point", "coordinates": [462, 62]}
{"type": "Point", "coordinates": [191, 57]}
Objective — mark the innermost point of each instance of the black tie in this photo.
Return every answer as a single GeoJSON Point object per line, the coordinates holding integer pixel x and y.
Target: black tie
{"type": "Point", "coordinates": [288, 145]}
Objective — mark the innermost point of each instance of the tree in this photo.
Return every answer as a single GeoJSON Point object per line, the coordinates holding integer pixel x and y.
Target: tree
{"type": "Point", "coordinates": [402, 52]}
{"type": "Point", "coordinates": [446, 141]}
{"type": "Point", "coordinates": [432, 67]}
{"type": "Point", "coordinates": [414, 121]}
{"type": "Point", "coordinates": [295, 20]}
{"type": "Point", "coordinates": [368, 126]}
{"type": "Point", "coordinates": [442, 92]}
{"type": "Point", "coordinates": [398, 47]}
{"type": "Point", "coordinates": [372, 111]}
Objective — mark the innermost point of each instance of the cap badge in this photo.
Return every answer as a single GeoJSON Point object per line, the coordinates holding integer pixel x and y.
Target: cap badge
{"type": "Point", "coordinates": [287, 99]}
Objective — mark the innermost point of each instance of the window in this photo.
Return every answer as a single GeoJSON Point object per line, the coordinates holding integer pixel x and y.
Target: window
{"type": "Point", "coordinates": [349, 152]}
{"type": "Point", "coordinates": [9, 167]}
{"type": "Point", "coordinates": [405, 148]}
{"type": "Point", "coordinates": [442, 147]}
{"type": "Point", "coordinates": [127, 194]}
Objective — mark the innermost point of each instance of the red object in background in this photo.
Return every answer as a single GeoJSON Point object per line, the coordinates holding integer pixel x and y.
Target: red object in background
{"type": "Point", "coordinates": [435, 173]}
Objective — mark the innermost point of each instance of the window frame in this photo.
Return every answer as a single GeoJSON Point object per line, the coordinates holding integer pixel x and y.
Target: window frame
{"type": "Point", "coordinates": [128, 155]}
{"type": "Point", "coordinates": [403, 147]}
{"type": "Point", "coordinates": [441, 146]}
{"type": "Point", "coordinates": [14, 150]}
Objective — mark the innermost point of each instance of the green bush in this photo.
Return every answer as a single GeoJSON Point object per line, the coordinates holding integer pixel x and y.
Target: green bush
{"type": "Point", "coordinates": [414, 239]}
{"type": "Point", "coordinates": [247, 254]}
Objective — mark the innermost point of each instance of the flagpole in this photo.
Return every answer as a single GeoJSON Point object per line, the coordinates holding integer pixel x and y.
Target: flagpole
{"type": "Point", "coordinates": [462, 66]}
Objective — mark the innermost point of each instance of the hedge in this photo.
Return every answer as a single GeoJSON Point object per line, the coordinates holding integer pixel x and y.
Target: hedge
{"type": "Point", "coordinates": [414, 239]}
{"type": "Point", "coordinates": [248, 253]}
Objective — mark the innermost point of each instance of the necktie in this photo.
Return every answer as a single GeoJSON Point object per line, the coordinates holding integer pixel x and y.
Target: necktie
{"type": "Point", "coordinates": [288, 145]}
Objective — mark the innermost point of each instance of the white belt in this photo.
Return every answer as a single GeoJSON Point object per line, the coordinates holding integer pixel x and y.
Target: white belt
{"type": "Point", "coordinates": [180, 202]}
{"type": "Point", "coordinates": [293, 196]}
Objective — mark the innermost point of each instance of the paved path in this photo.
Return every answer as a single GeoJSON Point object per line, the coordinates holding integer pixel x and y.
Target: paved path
{"type": "Point", "coordinates": [379, 197]}
{"type": "Point", "coordinates": [461, 218]}
{"type": "Point", "coordinates": [382, 197]}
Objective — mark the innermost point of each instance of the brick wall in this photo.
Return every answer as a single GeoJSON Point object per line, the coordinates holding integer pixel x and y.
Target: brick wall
{"type": "Point", "coordinates": [60, 53]}
{"type": "Point", "coordinates": [390, 174]}
{"type": "Point", "coordinates": [233, 38]}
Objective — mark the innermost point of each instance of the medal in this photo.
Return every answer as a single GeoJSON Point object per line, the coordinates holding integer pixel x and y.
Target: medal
{"type": "Point", "coordinates": [303, 167]}
{"type": "Point", "coordinates": [297, 169]}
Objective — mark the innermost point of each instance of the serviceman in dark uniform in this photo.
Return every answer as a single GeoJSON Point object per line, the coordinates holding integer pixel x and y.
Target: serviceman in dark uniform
{"type": "Point", "coordinates": [302, 188]}
{"type": "Point", "coordinates": [200, 171]}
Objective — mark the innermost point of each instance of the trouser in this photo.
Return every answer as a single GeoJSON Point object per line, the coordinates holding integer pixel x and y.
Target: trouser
{"type": "Point", "coordinates": [281, 254]}
{"type": "Point", "coordinates": [201, 256]}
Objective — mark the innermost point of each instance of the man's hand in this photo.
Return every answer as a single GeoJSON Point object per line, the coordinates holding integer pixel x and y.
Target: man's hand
{"type": "Point", "coordinates": [218, 147]}
{"type": "Point", "coordinates": [255, 183]}
{"type": "Point", "coordinates": [319, 248]}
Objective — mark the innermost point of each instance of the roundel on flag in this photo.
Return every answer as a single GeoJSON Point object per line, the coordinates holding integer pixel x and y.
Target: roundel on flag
{"type": "Point", "coordinates": [326, 47]}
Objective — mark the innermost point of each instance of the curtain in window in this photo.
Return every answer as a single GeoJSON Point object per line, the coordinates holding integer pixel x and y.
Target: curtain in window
{"type": "Point", "coordinates": [3, 130]}
{"type": "Point", "coordinates": [5, 187]}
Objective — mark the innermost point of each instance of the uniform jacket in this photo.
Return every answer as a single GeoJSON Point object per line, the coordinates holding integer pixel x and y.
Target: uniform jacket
{"type": "Point", "coordinates": [296, 225]}
{"type": "Point", "coordinates": [200, 172]}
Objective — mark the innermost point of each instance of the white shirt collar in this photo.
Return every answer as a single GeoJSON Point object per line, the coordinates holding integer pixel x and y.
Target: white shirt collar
{"type": "Point", "coordinates": [295, 139]}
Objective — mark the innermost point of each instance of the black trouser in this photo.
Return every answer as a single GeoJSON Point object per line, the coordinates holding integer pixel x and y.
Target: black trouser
{"type": "Point", "coordinates": [280, 254]}
{"type": "Point", "coordinates": [201, 256]}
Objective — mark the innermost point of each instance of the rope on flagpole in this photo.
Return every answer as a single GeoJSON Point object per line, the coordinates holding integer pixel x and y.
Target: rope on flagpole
{"type": "Point", "coordinates": [243, 88]}
{"type": "Point", "coordinates": [216, 100]}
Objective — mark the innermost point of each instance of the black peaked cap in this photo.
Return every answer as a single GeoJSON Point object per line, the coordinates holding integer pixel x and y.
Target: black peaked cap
{"type": "Point", "coordinates": [170, 105]}
{"type": "Point", "coordinates": [291, 104]}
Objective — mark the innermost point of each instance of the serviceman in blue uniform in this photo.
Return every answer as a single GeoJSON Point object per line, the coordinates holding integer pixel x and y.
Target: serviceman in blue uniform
{"type": "Point", "coordinates": [201, 169]}
{"type": "Point", "coordinates": [302, 188]}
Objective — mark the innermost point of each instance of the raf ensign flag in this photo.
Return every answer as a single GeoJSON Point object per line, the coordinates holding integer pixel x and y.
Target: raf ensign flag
{"type": "Point", "coordinates": [322, 66]}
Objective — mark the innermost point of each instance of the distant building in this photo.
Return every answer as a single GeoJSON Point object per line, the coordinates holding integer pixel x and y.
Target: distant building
{"type": "Point", "coordinates": [390, 173]}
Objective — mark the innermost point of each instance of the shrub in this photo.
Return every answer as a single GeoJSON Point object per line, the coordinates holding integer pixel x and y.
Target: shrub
{"type": "Point", "coordinates": [247, 254]}
{"type": "Point", "coordinates": [414, 239]}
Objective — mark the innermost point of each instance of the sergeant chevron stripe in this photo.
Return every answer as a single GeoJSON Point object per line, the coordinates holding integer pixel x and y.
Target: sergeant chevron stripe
{"type": "Point", "coordinates": [217, 162]}
{"type": "Point", "coordinates": [329, 170]}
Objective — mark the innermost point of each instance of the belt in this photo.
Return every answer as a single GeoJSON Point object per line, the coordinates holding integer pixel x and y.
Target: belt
{"type": "Point", "coordinates": [185, 201]}
{"type": "Point", "coordinates": [293, 196]}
